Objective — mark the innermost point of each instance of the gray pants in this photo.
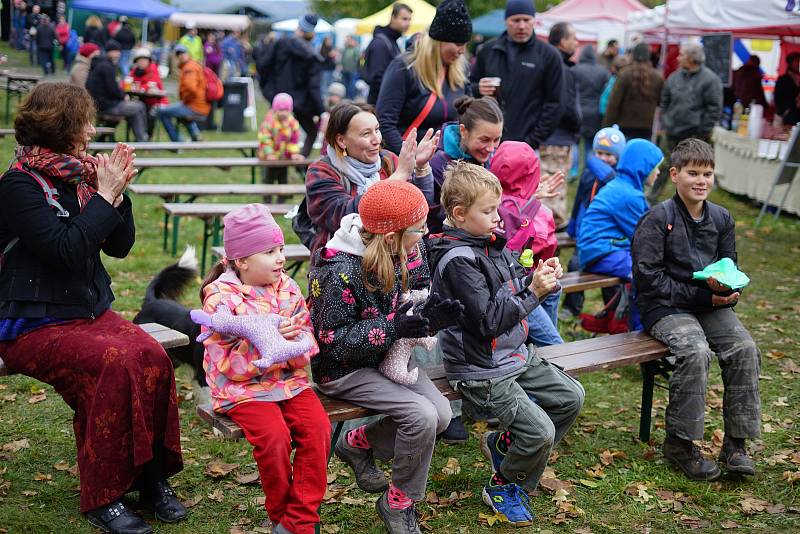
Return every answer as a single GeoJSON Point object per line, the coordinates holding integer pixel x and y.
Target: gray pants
{"type": "Point", "coordinates": [414, 416]}
{"type": "Point", "coordinates": [691, 340]}
{"type": "Point", "coordinates": [135, 113]}
{"type": "Point", "coordinates": [538, 404]}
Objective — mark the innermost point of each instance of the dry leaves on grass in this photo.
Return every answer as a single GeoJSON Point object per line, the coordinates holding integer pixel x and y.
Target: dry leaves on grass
{"type": "Point", "coordinates": [61, 465]}
{"type": "Point", "coordinates": [454, 498]}
{"type": "Point", "coordinates": [194, 501]}
{"type": "Point", "coordinates": [451, 468]}
{"type": "Point", "coordinates": [638, 491]}
{"type": "Point", "coordinates": [42, 477]}
{"type": "Point", "coordinates": [791, 476]}
{"type": "Point", "coordinates": [17, 445]}
{"type": "Point", "coordinates": [727, 524]}
{"type": "Point", "coordinates": [39, 397]}
{"type": "Point", "coordinates": [694, 523]}
{"type": "Point", "coordinates": [218, 468]}
{"type": "Point", "coordinates": [248, 478]}
{"type": "Point", "coordinates": [490, 520]}
{"type": "Point", "coordinates": [751, 505]}
{"type": "Point", "coordinates": [607, 456]}
{"type": "Point", "coordinates": [216, 495]}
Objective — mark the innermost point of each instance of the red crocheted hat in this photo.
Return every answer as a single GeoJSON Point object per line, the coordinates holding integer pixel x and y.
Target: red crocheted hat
{"type": "Point", "coordinates": [391, 206]}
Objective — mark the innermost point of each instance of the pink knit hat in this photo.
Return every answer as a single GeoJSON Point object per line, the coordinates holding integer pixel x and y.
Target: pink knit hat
{"type": "Point", "coordinates": [249, 230]}
{"type": "Point", "coordinates": [282, 102]}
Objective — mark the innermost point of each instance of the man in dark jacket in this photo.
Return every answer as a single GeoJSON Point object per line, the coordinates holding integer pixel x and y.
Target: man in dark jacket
{"type": "Point", "coordinates": [127, 41]}
{"type": "Point", "coordinates": [555, 153]}
{"type": "Point", "coordinates": [592, 79]}
{"type": "Point", "coordinates": [531, 79]}
{"type": "Point", "coordinates": [787, 91]}
{"type": "Point", "coordinates": [676, 238]}
{"type": "Point", "coordinates": [297, 70]}
{"type": "Point", "coordinates": [691, 103]}
{"type": "Point", "coordinates": [110, 98]}
{"type": "Point", "coordinates": [45, 36]}
{"type": "Point", "coordinates": [383, 48]}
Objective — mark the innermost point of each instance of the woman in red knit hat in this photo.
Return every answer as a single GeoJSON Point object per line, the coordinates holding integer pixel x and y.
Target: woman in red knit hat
{"type": "Point", "coordinates": [355, 287]}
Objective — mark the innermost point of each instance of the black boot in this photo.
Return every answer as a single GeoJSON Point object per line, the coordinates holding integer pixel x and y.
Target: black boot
{"type": "Point", "coordinates": [687, 456]}
{"type": "Point", "coordinates": [455, 432]}
{"type": "Point", "coordinates": [734, 457]}
{"type": "Point", "coordinates": [118, 519]}
{"type": "Point", "coordinates": [165, 504]}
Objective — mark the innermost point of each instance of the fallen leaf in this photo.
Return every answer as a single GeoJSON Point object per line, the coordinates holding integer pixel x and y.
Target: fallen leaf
{"type": "Point", "coordinates": [452, 467]}
{"type": "Point", "coordinates": [432, 498]}
{"type": "Point", "coordinates": [10, 398]}
{"type": "Point", "coordinates": [727, 524]}
{"type": "Point", "coordinates": [249, 478]}
{"type": "Point", "coordinates": [775, 355]}
{"type": "Point", "coordinates": [34, 399]}
{"type": "Point", "coordinates": [216, 495]}
{"type": "Point", "coordinates": [717, 437]}
{"type": "Point", "coordinates": [588, 483]}
{"type": "Point", "coordinates": [218, 468]}
{"type": "Point", "coordinates": [194, 501]}
{"type": "Point", "coordinates": [61, 466]}
{"type": "Point", "coordinates": [552, 485]}
{"type": "Point", "coordinates": [791, 476]}
{"type": "Point", "coordinates": [331, 529]}
{"type": "Point", "coordinates": [782, 401]}
{"type": "Point", "coordinates": [694, 522]}
{"type": "Point", "coordinates": [42, 476]}
{"type": "Point", "coordinates": [332, 477]}
{"type": "Point", "coordinates": [497, 517]}
{"type": "Point", "coordinates": [29, 493]}
{"type": "Point", "coordinates": [768, 428]}
{"type": "Point", "coordinates": [15, 446]}
{"type": "Point", "coordinates": [751, 505]}
{"type": "Point", "coordinates": [776, 509]}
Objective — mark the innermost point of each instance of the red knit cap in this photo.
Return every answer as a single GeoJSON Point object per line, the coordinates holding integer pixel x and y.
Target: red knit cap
{"type": "Point", "coordinates": [391, 206]}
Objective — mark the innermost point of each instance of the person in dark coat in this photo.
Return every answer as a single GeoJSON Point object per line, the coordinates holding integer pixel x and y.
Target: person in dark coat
{"type": "Point", "coordinates": [110, 98]}
{"type": "Point", "coordinates": [592, 79]}
{"type": "Point", "coordinates": [747, 86]}
{"type": "Point", "coordinates": [127, 41]}
{"type": "Point", "coordinates": [420, 87]}
{"type": "Point", "coordinates": [383, 48]}
{"type": "Point", "coordinates": [56, 320]}
{"type": "Point", "coordinates": [787, 91]}
{"type": "Point", "coordinates": [297, 70]}
{"type": "Point", "coordinates": [635, 96]}
{"type": "Point", "coordinates": [45, 37]}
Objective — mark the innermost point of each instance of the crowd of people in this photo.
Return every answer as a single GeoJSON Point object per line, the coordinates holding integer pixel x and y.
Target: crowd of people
{"type": "Point", "coordinates": [454, 184]}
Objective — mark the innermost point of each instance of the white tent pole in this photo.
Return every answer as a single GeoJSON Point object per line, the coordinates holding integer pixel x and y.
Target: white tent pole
{"type": "Point", "coordinates": [145, 22]}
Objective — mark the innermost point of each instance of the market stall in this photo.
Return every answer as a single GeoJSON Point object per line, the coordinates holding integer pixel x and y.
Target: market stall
{"type": "Point", "coordinates": [595, 21]}
{"type": "Point", "coordinates": [421, 18]}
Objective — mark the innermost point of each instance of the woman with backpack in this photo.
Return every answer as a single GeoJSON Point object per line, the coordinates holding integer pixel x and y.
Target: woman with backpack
{"type": "Point", "coordinates": [354, 162]}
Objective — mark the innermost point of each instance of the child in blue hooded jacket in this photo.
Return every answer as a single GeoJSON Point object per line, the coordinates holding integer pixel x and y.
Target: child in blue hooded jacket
{"type": "Point", "coordinates": [605, 233]}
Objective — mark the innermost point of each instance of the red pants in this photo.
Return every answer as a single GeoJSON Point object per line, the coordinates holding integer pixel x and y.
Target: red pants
{"type": "Point", "coordinates": [293, 492]}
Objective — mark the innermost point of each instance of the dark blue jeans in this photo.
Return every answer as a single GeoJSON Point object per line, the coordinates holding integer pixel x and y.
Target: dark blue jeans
{"type": "Point", "coordinates": [178, 111]}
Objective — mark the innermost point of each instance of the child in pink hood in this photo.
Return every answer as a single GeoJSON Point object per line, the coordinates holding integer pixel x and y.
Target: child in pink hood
{"type": "Point", "coordinates": [528, 224]}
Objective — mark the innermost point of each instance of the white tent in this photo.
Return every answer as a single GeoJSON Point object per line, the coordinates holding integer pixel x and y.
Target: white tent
{"type": "Point", "coordinates": [744, 18]}
{"type": "Point", "coordinates": [595, 21]}
{"type": "Point", "coordinates": [211, 21]}
{"type": "Point", "coordinates": [290, 25]}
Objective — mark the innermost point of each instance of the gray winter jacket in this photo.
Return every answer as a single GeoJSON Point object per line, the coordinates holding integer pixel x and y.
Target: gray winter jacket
{"type": "Point", "coordinates": [592, 79]}
{"type": "Point", "coordinates": [691, 102]}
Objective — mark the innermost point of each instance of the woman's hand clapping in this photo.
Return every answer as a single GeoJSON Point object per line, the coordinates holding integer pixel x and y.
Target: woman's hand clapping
{"type": "Point", "coordinates": [115, 172]}
{"type": "Point", "coordinates": [427, 148]}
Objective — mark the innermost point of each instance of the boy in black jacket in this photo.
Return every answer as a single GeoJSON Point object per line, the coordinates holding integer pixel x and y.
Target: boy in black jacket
{"type": "Point", "coordinates": [695, 319]}
{"type": "Point", "coordinates": [485, 355]}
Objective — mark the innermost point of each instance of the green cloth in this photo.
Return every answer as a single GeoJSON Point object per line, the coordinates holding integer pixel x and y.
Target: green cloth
{"type": "Point", "coordinates": [194, 45]}
{"type": "Point", "coordinates": [725, 272]}
{"type": "Point", "coordinates": [350, 59]}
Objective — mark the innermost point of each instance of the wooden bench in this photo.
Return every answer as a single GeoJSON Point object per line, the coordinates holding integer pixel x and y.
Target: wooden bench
{"type": "Point", "coordinates": [168, 338]}
{"type": "Point", "coordinates": [101, 130]}
{"type": "Point", "coordinates": [576, 358]}
{"type": "Point", "coordinates": [210, 214]}
{"type": "Point", "coordinates": [221, 163]}
{"type": "Point", "coordinates": [295, 255]}
{"type": "Point", "coordinates": [564, 240]}
{"type": "Point", "coordinates": [247, 147]}
{"type": "Point", "coordinates": [174, 192]}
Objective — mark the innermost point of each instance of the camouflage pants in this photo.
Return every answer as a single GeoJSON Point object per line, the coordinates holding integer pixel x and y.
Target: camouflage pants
{"type": "Point", "coordinates": [693, 339]}
{"type": "Point", "coordinates": [553, 159]}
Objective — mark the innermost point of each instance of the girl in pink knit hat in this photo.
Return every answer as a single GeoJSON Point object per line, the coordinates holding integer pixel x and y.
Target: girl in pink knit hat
{"type": "Point", "coordinates": [279, 137]}
{"type": "Point", "coordinates": [258, 340]}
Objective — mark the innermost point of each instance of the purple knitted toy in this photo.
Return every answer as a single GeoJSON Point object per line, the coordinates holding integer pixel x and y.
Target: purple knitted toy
{"type": "Point", "coordinates": [395, 364]}
{"type": "Point", "coordinates": [261, 330]}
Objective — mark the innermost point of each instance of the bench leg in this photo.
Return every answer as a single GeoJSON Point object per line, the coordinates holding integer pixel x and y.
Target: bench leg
{"type": "Point", "coordinates": [648, 382]}
{"type": "Point", "coordinates": [206, 235]}
{"type": "Point", "coordinates": [175, 224]}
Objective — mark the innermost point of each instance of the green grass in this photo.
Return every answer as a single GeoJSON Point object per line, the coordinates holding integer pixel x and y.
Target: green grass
{"type": "Point", "coordinates": [609, 421]}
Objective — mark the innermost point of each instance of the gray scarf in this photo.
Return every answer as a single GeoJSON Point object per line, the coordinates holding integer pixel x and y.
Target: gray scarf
{"type": "Point", "coordinates": [360, 174]}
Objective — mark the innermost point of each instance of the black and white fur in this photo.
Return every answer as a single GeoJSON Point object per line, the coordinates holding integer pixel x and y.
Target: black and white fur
{"type": "Point", "coordinates": [160, 306]}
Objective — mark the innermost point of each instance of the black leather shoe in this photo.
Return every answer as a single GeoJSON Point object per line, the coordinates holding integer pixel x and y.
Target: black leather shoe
{"type": "Point", "coordinates": [455, 432]}
{"type": "Point", "coordinates": [164, 502]}
{"type": "Point", "coordinates": [118, 519]}
{"type": "Point", "coordinates": [734, 457]}
{"type": "Point", "coordinates": [686, 455]}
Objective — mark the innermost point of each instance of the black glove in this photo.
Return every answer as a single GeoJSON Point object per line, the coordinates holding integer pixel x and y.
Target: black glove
{"type": "Point", "coordinates": [441, 313]}
{"type": "Point", "coordinates": [410, 326]}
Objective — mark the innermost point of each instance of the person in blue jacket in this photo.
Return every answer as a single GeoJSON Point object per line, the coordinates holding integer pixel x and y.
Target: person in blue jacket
{"type": "Point", "coordinates": [605, 233]}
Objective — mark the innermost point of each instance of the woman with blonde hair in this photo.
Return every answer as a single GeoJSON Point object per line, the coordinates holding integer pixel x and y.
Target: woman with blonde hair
{"type": "Point", "coordinates": [94, 32]}
{"type": "Point", "coordinates": [420, 87]}
{"type": "Point", "coordinates": [357, 309]}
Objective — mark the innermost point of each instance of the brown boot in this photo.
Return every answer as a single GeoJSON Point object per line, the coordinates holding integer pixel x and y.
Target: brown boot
{"type": "Point", "coordinates": [687, 456]}
{"type": "Point", "coordinates": [734, 457]}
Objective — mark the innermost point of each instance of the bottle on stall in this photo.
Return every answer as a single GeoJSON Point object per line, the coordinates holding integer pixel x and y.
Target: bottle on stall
{"type": "Point", "coordinates": [743, 121]}
{"type": "Point", "coordinates": [738, 108]}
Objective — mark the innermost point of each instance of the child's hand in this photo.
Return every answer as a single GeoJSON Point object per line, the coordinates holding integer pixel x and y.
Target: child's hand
{"type": "Point", "coordinates": [716, 286]}
{"type": "Point", "coordinates": [298, 157]}
{"type": "Point", "coordinates": [719, 300]}
{"type": "Point", "coordinates": [427, 148]}
{"type": "Point", "coordinates": [556, 265]}
{"type": "Point", "coordinates": [549, 184]}
{"type": "Point", "coordinates": [289, 329]}
{"type": "Point", "coordinates": [544, 280]}
{"type": "Point", "coordinates": [407, 158]}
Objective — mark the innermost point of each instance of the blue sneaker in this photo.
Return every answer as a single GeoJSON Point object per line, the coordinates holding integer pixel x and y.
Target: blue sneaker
{"type": "Point", "coordinates": [511, 501]}
{"type": "Point", "coordinates": [490, 447]}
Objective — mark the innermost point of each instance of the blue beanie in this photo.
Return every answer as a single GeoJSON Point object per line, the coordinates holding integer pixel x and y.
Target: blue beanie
{"type": "Point", "coordinates": [610, 140]}
{"type": "Point", "coordinates": [307, 23]}
{"type": "Point", "coordinates": [520, 7]}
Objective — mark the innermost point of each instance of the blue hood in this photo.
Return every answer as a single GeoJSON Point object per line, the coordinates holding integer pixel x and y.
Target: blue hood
{"type": "Point", "coordinates": [451, 142]}
{"type": "Point", "coordinates": [638, 161]}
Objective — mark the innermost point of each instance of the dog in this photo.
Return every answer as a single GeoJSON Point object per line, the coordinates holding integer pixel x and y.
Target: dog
{"type": "Point", "coordinates": [160, 306]}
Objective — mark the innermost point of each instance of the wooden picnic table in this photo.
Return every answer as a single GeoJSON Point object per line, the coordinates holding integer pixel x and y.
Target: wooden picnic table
{"type": "Point", "coordinates": [101, 130]}
{"type": "Point", "coordinates": [247, 147]}
{"type": "Point", "coordinates": [210, 214]}
{"type": "Point", "coordinates": [18, 83]}
{"type": "Point", "coordinates": [222, 163]}
{"type": "Point", "coordinates": [173, 193]}
{"type": "Point", "coordinates": [147, 93]}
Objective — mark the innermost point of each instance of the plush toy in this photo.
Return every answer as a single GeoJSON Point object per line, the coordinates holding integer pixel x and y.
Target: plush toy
{"type": "Point", "coordinates": [395, 364]}
{"type": "Point", "coordinates": [261, 330]}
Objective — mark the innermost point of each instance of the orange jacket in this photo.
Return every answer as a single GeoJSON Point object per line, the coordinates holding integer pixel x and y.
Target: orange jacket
{"type": "Point", "coordinates": [192, 88]}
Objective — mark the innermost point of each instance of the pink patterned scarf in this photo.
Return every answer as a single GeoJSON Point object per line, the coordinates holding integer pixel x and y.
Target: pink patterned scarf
{"type": "Point", "coordinates": [81, 172]}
